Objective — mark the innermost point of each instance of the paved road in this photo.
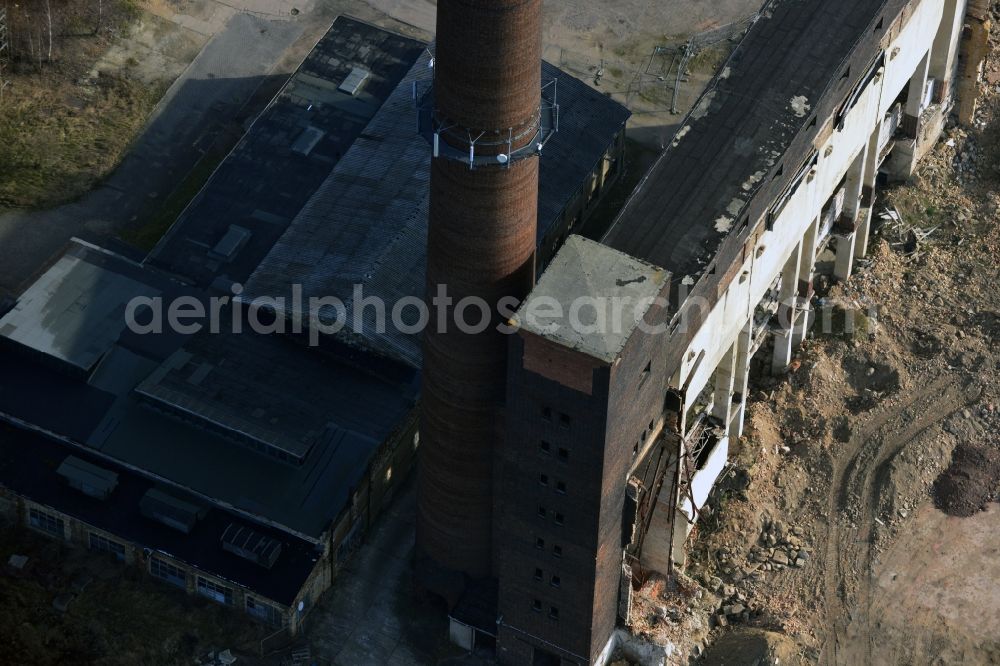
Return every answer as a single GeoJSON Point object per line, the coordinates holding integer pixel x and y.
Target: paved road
{"type": "Point", "coordinates": [372, 616]}
{"type": "Point", "coordinates": [211, 91]}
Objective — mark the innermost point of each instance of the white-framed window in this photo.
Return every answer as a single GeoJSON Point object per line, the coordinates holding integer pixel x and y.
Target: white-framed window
{"type": "Point", "coordinates": [103, 544]}
{"type": "Point", "coordinates": [265, 612]}
{"type": "Point", "coordinates": [167, 572]}
{"type": "Point", "coordinates": [46, 522]}
{"type": "Point", "coordinates": [215, 591]}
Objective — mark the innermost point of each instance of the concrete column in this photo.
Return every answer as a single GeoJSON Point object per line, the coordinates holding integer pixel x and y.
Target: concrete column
{"type": "Point", "coordinates": [915, 96]}
{"type": "Point", "coordinates": [807, 268]}
{"type": "Point", "coordinates": [945, 50]}
{"type": "Point", "coordinates": [862, 234]}
{"type": "Point", "coordinates": [742, 380]}
{"type": "Point", "coordinates": [725, 382]}
{"type": "Point", "coordinates": [868, 194]}
{"type": "Point", "coordinates": [787, 312]}
{"type": "Point", "coordinates": [854, 188]}
{"type": "Point", "coordinates": [974, 51]}
{"type": "Point", "coordinates": [843, 267]}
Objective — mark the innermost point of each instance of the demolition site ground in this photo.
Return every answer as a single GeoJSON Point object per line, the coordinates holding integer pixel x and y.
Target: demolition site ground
{"type": "Point", "coordinates": [857, 522]}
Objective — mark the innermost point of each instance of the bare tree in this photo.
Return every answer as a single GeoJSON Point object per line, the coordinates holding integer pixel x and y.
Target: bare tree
{"type": "Point", "coordinates": [48, 13]}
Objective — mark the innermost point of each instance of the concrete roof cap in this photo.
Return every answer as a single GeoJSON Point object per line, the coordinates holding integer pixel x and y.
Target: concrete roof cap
{"type": "Point", "coordinates": [591, 298]}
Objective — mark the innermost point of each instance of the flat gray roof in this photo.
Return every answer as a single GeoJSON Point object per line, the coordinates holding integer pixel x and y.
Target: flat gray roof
{"type": "Point", "coordinates": [76, 310]}
{"type": "Point", "coordinates": [275, 393]}
{"type": "Point", "coordinates": [586, 278]}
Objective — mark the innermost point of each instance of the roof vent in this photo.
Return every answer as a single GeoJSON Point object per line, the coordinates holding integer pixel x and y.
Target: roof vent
{"type": "Point", "coordinates": [355, 80]}
{"type": "Point", "coordinates": [230, 244]}
{"type": "Point", "coordinates": [307, 140]}
{"type": "Point", "coordinates": [244, 542]}
{"type": "Point", "coordinates": [89, 479]}
{"type": "Point", "coordinates": [167, 509]}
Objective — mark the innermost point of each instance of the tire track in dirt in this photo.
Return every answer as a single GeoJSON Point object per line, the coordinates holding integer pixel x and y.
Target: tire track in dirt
{"type": "Point", "coordinates": [858, 478]}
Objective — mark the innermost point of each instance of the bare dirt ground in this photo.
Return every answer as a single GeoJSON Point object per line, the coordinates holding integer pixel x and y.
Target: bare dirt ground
{"type": "Point", "coordinates": [611, 45]}
{"type": "Point", "coordinates": [858, 522]}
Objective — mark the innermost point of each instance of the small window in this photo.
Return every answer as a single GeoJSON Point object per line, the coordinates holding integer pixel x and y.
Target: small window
{"type": "Point", "coordinates": [564, 420]}
{"type": "Point", "coordinates": [556, 581]}
{"type": "Point", "coordinates": [847, 73]}
{"type": "Point", "coordinates": [554, 613]}
{"type": "Point", "coordinates": [880, 24]}
{"type": "Point", "coordinates": [540, 543]}
{"type": "Point", "coordinates": [103, 544]}
{"type": "Point", "coordinates": [652, 426]}
{"type": "Point", "coordinates": [557, 551]}
{"type": "Point", "coordinates": [779, 173]}
{"type": "Point", "coordinates": [543, 479]}
{"type": "Point", "coordinates": [561, 487]}
{"type": "Point", "coordinates": [564, 454]}
{"type": "Point", "coordinates": [545, 448]}
{"type": "Point", "coordinates": [635, 450]}
{"type": "Point", "coordinates": [813, 122]}
{"type": "Point", "coordinates": [547, 414]}
{"type": "Point", "coordinates": [46, 522]}
{"type": "Point", "coordinates": [536, 605]}
{"type": "Point", "coordinates": [541, 512]}
{"type": "Point", "coordinates": [264, 612]}
{"type": "Point", "coordinates": [538, 574]}
{"type": "Point", "coordinates": [218, 593]}
{"type": "Point", "coordinates": [560, 519]}
{"type": "Point", "coordinates": [167, 572]}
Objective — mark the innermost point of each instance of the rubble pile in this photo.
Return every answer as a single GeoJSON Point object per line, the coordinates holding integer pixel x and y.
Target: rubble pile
{"type": "Point", "coordinates": [780, 547]}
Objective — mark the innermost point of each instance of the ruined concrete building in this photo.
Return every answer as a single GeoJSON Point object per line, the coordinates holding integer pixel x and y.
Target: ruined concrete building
{"type": "Point", "coordinates": [613, 439]}
{"type": "Point", "coordinates": [555, 462]}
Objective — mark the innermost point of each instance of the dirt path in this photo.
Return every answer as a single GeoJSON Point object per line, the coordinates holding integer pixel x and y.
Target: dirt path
{"type": "Point", "coordinates": [859, 479]}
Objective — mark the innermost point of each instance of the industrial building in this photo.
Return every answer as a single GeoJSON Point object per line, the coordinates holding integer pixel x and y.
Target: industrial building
{"type": "Point", "coordinates": [240, 466]}
{"type": "Point", "coordinates": [613, 438]}
{"type": "Point", "coordinates": [555, 463]}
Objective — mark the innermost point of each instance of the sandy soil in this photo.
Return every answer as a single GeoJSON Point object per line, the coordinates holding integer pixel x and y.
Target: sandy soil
{"type": "Point", "coordinates": [618, 40]}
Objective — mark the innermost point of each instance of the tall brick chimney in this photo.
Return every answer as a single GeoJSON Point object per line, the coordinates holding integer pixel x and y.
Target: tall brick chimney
{"type": "Point", "coordinates": [487, 124]}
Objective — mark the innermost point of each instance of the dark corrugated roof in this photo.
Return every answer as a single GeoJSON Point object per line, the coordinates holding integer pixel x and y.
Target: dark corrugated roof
{"type": "Point", "coordinates": [732, 143]}
{"type": "Point", "coordinates": [277, 392]}
{"type": "Point", "coordinates": [269, 176]}
{"type": "Point", "coordinates": [367, 224]}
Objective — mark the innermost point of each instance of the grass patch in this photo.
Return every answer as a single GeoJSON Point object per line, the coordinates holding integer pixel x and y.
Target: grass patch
{"type": "Point", "coordinates": [121, 618]}
{"type": "Point", "coordinates": [147, 234]}
{"type": "Point", "coordinates": [709, 60]}
{"type": "Point", "coordinates": [62, 128]}
{"type": "Point", "coordinates": [55, 145]}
